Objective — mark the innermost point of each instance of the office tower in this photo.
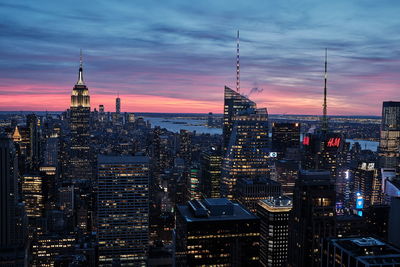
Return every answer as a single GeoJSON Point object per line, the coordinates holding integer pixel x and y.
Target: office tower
{"type": "Point", "coordinates": [50, 153]}
{"type": "Point", "coordinates": [102, 114]}
{"type": "Point", "coordinates": [233, 104]}
{"type": "Point", "coordinates": [348, 225]}
{"type": "Point", "coordinates": [359, 251]}
{"type": "Point", "coordinates": [79, 164]}
{"type": "Point", "coordinates": [394, 222]}
{"type": "Point", "coordinates": [286, 172]}
{"type": "Point", "coordinates": [33, 195]}
{"type": "Point", "coordinates": [210, 120]}
{"type": "Point", "coordinates": [389, 144]}
{"type": "Point", "coordinates": [49, 174]}
{"type": "Point", "coordinates": [46, 248]}
{"type": "Point", "coordinates": [312, 218]}
{"type": "Point", "coordinates": [364, 183]}
{"type": "Point", "coordinates": [32, 124]}
{"type": "Point", "coordinates": [321, 150]}
{"type": "Point", "coordinates": [12, 227]}
{"type": "Point", "coordinates": [185, 145]}
{"type": "Point", "coordinates": [250, 191]}
{"type": "Point", "coordinates": [211, 161]}
{"type": "Point", "coordinates": [248, 149]}
{"type": "Point", "coordinates": [131, 118]}
{"type": "Point", "coordinates": [8, 193]}
{"type": "Point", "coordinates": [118, 105]}
{"type": "Point", "coordinates": [285, 136]}
{"type": "Point", "coordinates": [123, 210]}
{"type": "Point", "coordinates": [390, 184]}
{"type": "Point", "coordinates": [215, 231]}
{"type": "Point", "coordinates": [377, 220]}
{"type": "Point", "coordinates": [274, 230]}
{"type": "Point", "coordinates": [193, 183]}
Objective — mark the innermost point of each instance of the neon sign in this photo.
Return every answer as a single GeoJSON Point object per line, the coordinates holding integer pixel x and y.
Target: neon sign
{"type": "Point", "coordinates": [306, 140]}
{"type": "Point", "coordinates": [333, 142]}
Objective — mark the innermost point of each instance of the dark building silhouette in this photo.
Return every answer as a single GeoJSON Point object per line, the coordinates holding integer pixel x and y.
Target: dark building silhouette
{"type": "Point", "coordinates": [312, 218]}
{"type": "Point", "coordinates": [285, 136]}
{"type": "Point", "coordinates": [215, 231]}
{"type": "Point", "coordinates": [250, 191]}
{"type": "Point", "coordinates": [286, 172]}
{"type": "Point", "coordinates": [211, 162]}
{"type": "Point", "coordinates": [13, 224]}
{"type": "Point", "coordinates": [359, 251]}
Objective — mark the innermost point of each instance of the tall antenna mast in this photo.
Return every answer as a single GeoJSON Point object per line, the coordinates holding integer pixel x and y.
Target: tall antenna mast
{"type": "Point", "coordinates": [325, 118]}
{"type": "Point", "coordinates": [237, 64]}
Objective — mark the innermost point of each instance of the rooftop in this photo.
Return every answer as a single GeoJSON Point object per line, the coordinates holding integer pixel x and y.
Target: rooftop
{"type": "Point", "coordinates": [277, 204]}
{"type": "Point", "coordinates": [214, 209]}
{"type": "Point", "coordinates": [369, 250]}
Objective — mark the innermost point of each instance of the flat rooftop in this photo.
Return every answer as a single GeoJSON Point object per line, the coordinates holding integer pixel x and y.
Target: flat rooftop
{"type": "Point", "coordinates": [214, 209]}
{"type": "Point", "coordinates": [369, 250]}
{"type": "Point", "coordinates": [277, 204]}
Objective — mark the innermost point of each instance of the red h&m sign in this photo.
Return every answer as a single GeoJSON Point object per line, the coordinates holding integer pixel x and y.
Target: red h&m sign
{"type": "Point", "coordinates": [333, 142]}
{"type": "Point", "coordinates": [306, 140]}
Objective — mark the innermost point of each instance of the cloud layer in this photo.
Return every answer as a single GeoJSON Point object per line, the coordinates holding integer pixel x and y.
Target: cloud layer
{"type": "Point", "coordinates": [176, 56]}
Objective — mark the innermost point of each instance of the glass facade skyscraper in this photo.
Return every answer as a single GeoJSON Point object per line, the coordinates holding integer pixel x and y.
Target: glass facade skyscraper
{"type": "Point", "coordinates": [389, 145]}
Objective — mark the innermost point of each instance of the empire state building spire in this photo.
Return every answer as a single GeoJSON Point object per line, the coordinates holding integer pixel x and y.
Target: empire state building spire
{"type": "Point", "coordinates": [80, 75]}
{"type": "Point", "coordinates": [80, 93]}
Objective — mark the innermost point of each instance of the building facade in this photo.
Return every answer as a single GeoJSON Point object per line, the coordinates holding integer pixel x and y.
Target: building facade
{"type": "Point", "coordinates": [274, 230]}
{"type": "Point", "coordinates": [215, 232]}
{"type": "Point", "coordinates": [123, 210]}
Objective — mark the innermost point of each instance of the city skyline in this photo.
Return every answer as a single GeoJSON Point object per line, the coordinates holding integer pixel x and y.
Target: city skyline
{"type": "Point", "coordinates": [176, 58]}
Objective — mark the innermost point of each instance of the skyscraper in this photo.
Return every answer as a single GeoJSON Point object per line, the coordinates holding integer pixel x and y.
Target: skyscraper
{"type": "Point", "coordinates": [389, 144]}
{"type": "Point", "coordinates": [33, 195]}
{"type": "Point", "coordinates": [211, 161]}
{"type": "Point", "coordinates": [12, 223]}
{"type": "Point", "coordinates": [312, 218]}
{"type": "Point", "coordinates": [247, 151]}
{"type": "Point", "coordinates": [123, 210]}
{"type": "Point", "coordinates": [274, 230]}
{"type": "Point", "coordinates": [118, 105]}
{"type": "Point", "coordinates": [249, 192]}
{"type": "Point", "coordinates": [233, 103]}
{"type": "Point", "coordinates": [79, 165]}
{"type": "Point", "coordinates": [284, 136]}
{"type": "Point", "coordinates": [215, 232]}
{"type": "Point", "coordinates": [8, 192]}
{"type": "Point", "coordinates": [360, 251]}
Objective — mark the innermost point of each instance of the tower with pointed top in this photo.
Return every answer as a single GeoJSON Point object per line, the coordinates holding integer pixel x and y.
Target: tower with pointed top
{"type": "Point", "coordinates": [79, 166]}
{"type": "Point", "coordinates": [325, 116]}
{"type": "Point", "coordinates": [237, 64]}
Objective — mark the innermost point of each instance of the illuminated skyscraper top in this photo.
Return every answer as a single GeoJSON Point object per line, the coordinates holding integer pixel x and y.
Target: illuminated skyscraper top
{"type": "Point", "coordinates": [80, 93]}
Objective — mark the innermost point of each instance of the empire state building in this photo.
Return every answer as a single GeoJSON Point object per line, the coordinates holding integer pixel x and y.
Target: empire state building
{"type": "Point", "coordinates": [79, 155]}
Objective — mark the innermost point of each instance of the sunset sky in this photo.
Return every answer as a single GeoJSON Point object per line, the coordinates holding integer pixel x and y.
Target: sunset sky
{"type": "Point", "coordinates": [176, 56]}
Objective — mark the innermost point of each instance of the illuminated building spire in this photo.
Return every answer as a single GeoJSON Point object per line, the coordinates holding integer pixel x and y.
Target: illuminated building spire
{"type": "Point", "coordinates": [237, 64]}
{"type": "Point", "coordinates": [325, 118]}
{"type": "Point", "coordinates": [80, 77]}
